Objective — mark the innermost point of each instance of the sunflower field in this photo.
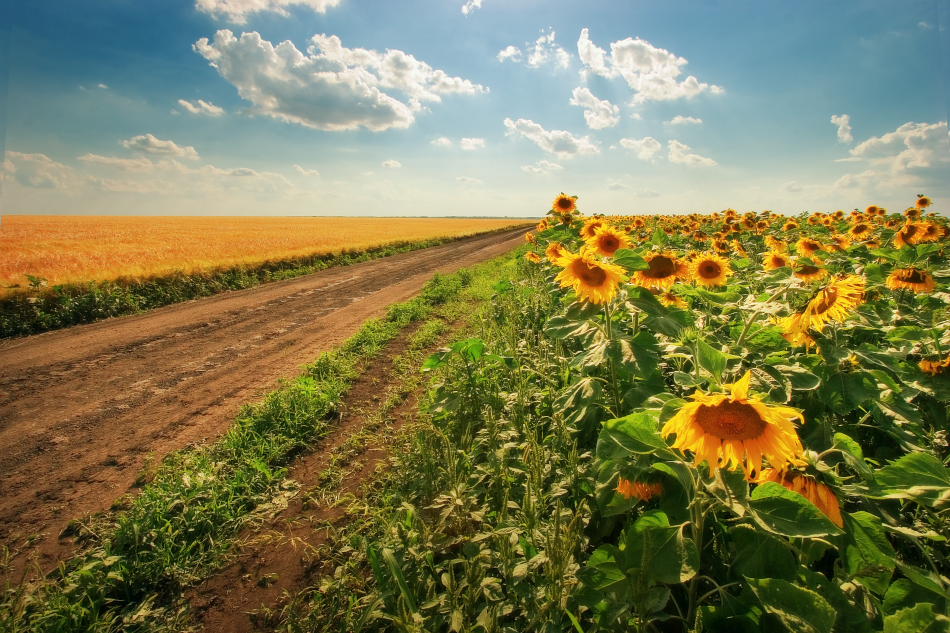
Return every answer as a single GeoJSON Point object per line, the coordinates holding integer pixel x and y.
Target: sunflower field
{"type": "Point", "coordinates": [725, 422]}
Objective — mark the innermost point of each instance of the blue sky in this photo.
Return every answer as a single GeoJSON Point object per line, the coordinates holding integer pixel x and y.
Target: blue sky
{"type": "Point", "coordinates": [472, 107]}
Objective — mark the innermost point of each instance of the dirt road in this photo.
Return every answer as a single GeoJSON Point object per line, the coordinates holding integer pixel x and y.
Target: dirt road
{"type": "Point", "coordinates": [82, 409]}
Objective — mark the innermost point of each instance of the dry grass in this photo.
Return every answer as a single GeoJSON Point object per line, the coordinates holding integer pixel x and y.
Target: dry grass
{"type": "Point", "coordinates": [83, 248]}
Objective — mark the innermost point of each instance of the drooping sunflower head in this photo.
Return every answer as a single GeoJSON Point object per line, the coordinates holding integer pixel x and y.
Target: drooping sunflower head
{"type": "Point", "coordinates": [709, 269]}
{"type": "Point", "coordinates": [776, 260]}
{"type": "Point", "coordinates": [835, 302]}
{"type": "Point", "coordinates": [810, 272]}
{"type": "Point", "coordinates": [642, 490]}
{"type": "Point", "coordinates": [665, 270]}
{"type": "Point", "coordinates": [736, 430]}
{"type": "Point", "coordinates": [911, 279]}
{"type": "Point", "coordinates": [820, 495]}
{"type": "Point", "coordinates": [608, 240]}
{"type": "Point", "coordinates": [594, 281]}
{"type": "Point", "coordinates": [564, 204]}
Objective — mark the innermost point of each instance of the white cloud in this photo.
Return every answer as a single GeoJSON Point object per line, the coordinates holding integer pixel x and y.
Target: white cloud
{"type": "Point", "coordinates": [599, 113]}
{"type": "Point", "coordinates": [680, 154]}
{"type": "Point", "coordinates": [102, 86]}
{"type": "Point", "coordinates": [303, 171]}
{"type": "Point", "coordinates": [651, 72]}
{"type": "Point", "coordinates": [645, 148]}
{"type": "Point", "coordinates": [149, 144]}
{"type": "Point", "coordinates": [125, 164]}
{"type": "Point", "coordinates": [472, 144]}
{"type": "Point", "coordinates": [468, 180]}
{"type": "Point", "coordinates": [201, 107]}
{"type": "Point", "coordinates": [561, 143]}
{"type": "Point", "coordinates": [236, 11]}
{"type": "Point", "coordinates": [443, 141]}
{"type": "Point", "coordinates": [509, 52]}
{"type": "Point", "coordinates": [391, 164]}
{"type": "Point", "coordinates": [542, 51]}
{"type": "Point", "coordinates": [925, 26]}
{"type": "Point", "coordinates": [679, 119]}
{"type": "Point", "coordinates": [330, 87]}
{"type": "Point", "coordinates": [37, 171]}
{"type": "Point", "coordinates": [915, 154]}
{"type": "Point", "coordinates": [471, 5]}
{"type": "Point", "coordinates": [541, 167]}
{"type": "Point", "coordinates": [843, 121]}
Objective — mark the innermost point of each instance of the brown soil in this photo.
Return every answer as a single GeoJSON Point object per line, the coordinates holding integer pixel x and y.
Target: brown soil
{"type": "Point", "coordinates": [279, 558]}
{"type": "Point", "coordinates": [82, 410]}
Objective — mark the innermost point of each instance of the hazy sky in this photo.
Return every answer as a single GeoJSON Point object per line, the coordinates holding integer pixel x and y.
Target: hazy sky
{"type": "Point", "coordinates": [472, 107]}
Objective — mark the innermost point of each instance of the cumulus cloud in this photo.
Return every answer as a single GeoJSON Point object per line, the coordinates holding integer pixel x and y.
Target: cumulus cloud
{"type": "Point", "coordinates": [599, 113]}
{"type": "Point", "coordinates": [843, 121]}
{"type": "Point", "coordinates": [391, 164]}
{"type": "Point", "coordinates": [561, 143]}
{"type": "Point", "coordinates": [653, 73]}
{"type": "Point", "coordinates": [153, 146]}
{"type": "Point", "coordinates": [471, 5]}
{"type": "Point", "coordinates": [541, 167]}
{"type": "Point", "coordinates": [38, 171]}
{"type": "Point", "coordinates": [125, 164]}
{"type": "Point", "coordinates": [914, 154]}
{"type": "Point", "coordinates": [329, 87]}
{"type": "Point", "coordinates": [679, 153]}
{"type": "Point", "coordinates": [303, 171]}
{"type": "Point", "coordinates": [236, 11]}
{"type": "Point", "coordinates": [202, 107]}
{"type": "Point", "coordinates": [645, 148]}
{"type": "Point", "coordinates": [544, 50]}
{"type": "Point", "coordinates": [472, 144]}
{"type": "Point", "coordinates": [443, 141]}
{"type": "Point", "coordinates": [679, 119]}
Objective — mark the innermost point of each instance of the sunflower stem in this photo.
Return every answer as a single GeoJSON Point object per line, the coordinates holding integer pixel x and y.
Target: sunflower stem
{"type": "Point", "coordinates": [608, 318]}
{"type": "Point", "coordinates": [758, 311]}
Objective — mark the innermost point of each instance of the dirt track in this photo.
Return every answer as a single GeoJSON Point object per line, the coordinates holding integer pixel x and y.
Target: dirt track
{"type": "Point", "coordinates": [82, 409]}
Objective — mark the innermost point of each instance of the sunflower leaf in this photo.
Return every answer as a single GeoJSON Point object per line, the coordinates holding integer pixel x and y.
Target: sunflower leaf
{"type": "Point", "coordinates": [779, 510]}
{"type": "Point", "coordinates": [800, 609]}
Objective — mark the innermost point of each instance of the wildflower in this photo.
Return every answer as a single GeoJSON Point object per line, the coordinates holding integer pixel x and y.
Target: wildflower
{"type": "Point", "coordinates": [709, 269]}
{"type": "Point", "coordinates": [592, 280]}
{"type": "Point", "coordinates": [665, 269]}
{"type": "Point", "coordinates": [912, 279]}
{"type": "Point", "coordinates": [822, 496]}
{"type": "Point", "coordinates": [736, 430]}
{"type": "Point", "coordinates": [607, 241]}
{"type": "Point", "coordinates": [638, 489]}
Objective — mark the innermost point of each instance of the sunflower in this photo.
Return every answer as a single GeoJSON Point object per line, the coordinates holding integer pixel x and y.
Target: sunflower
{"type": "Point", "coordinates": [736, 430]}
{"type": "Point", "coordinates": [665, 269]}
{"type": "Point", "coordinates": [840, 242]}
{"type": "Point", "coordinates": [672, 301]}
{"type": "Point", "coordinates": [860, 230]}
{"type": "Point", "coordinates": [821, 496]}
{"type": "Point", "coordinates": [835, 301]}
{"type": "Point", "coordinates": [590, 227]}
{"type": "Point", "coordinates": [872, 210]}
{"type": "Point", "coordinates": [808, 247]}
{"type": "Point", "coordinates": [709, 269]}
{"type": "Point", "coordinates": [910, 233]}
{"type": "Point", "coordinates": [776, 244]}
{"type": "Point", "coordinates": [911, 278]}
{"type": "Point", "coordinates": [531, 256]}
{"type": "Point", "coordinates": [564, 204]}
{"type": "Point", "coordinates": [795, 330]}
{"type": "Point", "coordinates": [641, 490]}
{"type": "Point", "coordinates": [810, 272]}
{"type": "Point", "coordinates": [607, 241]}
{"type": "Point", "coordinates": [529, 237]}
{"type": "Point", "coordinates": [776, 260]}
{"type": "Point", "coordinates": [592, 280]}
{"type": "Point", "coordinates": [555, 251]}
{"type": "Point", "coordinates": [934, 367]}
{"type": "Point", "coordinates": [923, 201]}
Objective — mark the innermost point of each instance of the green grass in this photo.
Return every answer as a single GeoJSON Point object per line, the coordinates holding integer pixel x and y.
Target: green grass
{"type": "Point", "coordinates": [180, 527]}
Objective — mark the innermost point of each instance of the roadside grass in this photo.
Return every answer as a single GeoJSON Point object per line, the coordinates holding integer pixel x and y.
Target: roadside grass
{"type": "Point", "coordinates": [136, 561]}
{"type": "Point", "coordinates": [40, 308]}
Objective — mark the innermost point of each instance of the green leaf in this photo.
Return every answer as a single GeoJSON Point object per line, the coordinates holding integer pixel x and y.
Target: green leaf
{"type": "Point", "coordinates": [711, 359]}
{"type": "Point", "coordinates": [562, 327]}
{"type": "Point", "coordinates": [800, 378]}
{"type": "Point", "coordinates": [918, 476]}
{"type": "Point", "coordinates": [630, 259]}
{"type": "Point", "coordinates": [917, 619]}
{"type": "Point", "coordinates": [758, 554]}
{"type": "Point", "coordinates": [660, 238]}
{"type": "Point", "coordinates": [653, 547]}
{"type": "Point", "coordinates": [800, 610]}
{"type": "Point", "coordinates": [869, 555]}
{"type": "Point", "coordinates": [850, 618]}
{"type": "Point", "coordinates": [779, 510]}
{"type": "Point", "coordinates": [903, 593]}
{"type": "Point", "coordinates": [635, 434]}
{"type": "Point", "coordinates": [852, 452]}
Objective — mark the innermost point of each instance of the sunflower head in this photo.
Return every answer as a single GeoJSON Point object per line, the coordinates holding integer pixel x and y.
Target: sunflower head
{"type": "Point", "coordinates": [820, 495]}
{"type": "Point", "coordinates": [564, 204]}
{"type": "Point", "coordinates": [835, 302]}
{"type": "Point", "coordinates": [795, 330]}
{"type": "Point", "coordinates": [533, 257]}
{"type": "Point", "coordinates": [607, 240]}
{"type": "Point", "coordinates": [776, 260]}
{"type": "Point", "coordinates": [590, 227]}
{"type": "Point", "coordinates": [664, 270]}
{"type": "Point", "coordinates": [555, 251]}
{"type": "Point", "coordinates": [594, 281]}
{"type": "Point", "coordinates": [911, 279]}
{"type": "Point", "coordinates": [776, 244]}
{"type": "Point", "coordinates": [861, 230]}
{"type": "Point", "coordinates": [736, 430]}
{"type": "Point", "coordinates": [808, 247]}
{"type": "Point", "coordinates": [810, 272]}
{"type": "Point", "coordinates": [923, 201]}
{"type": "Point", "coordinates": [709, 269]}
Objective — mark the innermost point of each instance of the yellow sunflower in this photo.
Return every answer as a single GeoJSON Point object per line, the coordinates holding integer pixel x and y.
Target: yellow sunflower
{"type": "Point", "coordinates": [709, 269]}
{"type": "Point", "coordinates": [590, 227]}
{"type": "Point", "coordinates": [912, 279]}
{"type": "Point", "coordinates": [795, 330]}
{"type": "Point", "coordinates": [821, 496]}
{"type": "Point", "coordinates": [531, 256]}
{"type": "Point", "coordinates": [923, 202]}
{"type": "Point", "coordinates": [808, 247]}
{"type": "Point", "coordinates": [564, 204]}
{"type": "Point", "coordinates": [592, 280]}
{"type": "Point", "coordinates": [835, 302]}
{"type": "Point", "coordinates": [861, 230]}
{"type": "Point", "coordinates": [736, 430]}
{"type": "Point", "coordinates": [910, 233]}
{"type": "Point", "coordinates": [529, 237]}
{"type": "Point", "coordinates": [672, 301]}
{"type": "Point", "coordinates": [776, 260]}
{"type": "Point", "coordinates": [641, 490]}
{"type": "Point", "coordinates": [934, 367]}
{"type": "Point", "coordinates": [555, 251]}
{"type": "Point", "coordinates": [607, 241]}
{"type": "Point", "coordinates": [810, 272]}
{"type": "Point", "coordinates": [776, 244]}
{"type": "Point", "coordinates": [665, 269]}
